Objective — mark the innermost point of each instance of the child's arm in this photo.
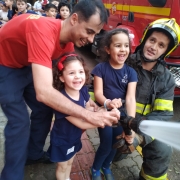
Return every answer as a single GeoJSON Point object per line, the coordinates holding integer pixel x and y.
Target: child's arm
{"type": "Point", "coordinates": [81, 123]}
{"type": "Point", "coordinates": [92, 106]}
{"type": "Point", "coordinates": [131, 107]}
{"type": "Point", "coordinates": [98, 90]}
{"type": "Point", "coordinates": [100, 98]}
{"type": "Point", "coordinates": [131, 99]}
{"type": "Point", "coordinates": [4, 19]}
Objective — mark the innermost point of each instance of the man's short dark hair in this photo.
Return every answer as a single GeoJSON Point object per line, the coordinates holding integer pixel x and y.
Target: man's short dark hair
{"type": "Point", "coordinates": [86, 8]}
{"type": "Point", "coordinates": [49, 6]}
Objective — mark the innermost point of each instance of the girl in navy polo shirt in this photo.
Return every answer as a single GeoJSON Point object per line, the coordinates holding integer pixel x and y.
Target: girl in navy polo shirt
{"type": "Point", "coordinates": [114, 81]}
{"type": "Point", "coordinates": [69, 77]}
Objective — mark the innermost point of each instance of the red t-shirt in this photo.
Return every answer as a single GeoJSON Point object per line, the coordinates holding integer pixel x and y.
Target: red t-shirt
{"type": "Point", "coordinates": [31, 38]}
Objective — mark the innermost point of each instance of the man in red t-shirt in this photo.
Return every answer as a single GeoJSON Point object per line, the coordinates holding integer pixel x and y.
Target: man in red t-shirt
{"type": "Point", "coordinates": [28, 44]}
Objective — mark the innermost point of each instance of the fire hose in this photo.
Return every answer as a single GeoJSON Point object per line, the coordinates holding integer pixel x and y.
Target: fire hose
{"type": "Point", "coordinates": [128, 123]}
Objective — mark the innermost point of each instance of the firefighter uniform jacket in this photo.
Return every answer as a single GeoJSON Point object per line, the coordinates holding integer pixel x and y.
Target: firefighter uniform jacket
{"type": "Point", "coordinates": [154, 101]}
{"type": "Point", "coordinates": [154, 92]}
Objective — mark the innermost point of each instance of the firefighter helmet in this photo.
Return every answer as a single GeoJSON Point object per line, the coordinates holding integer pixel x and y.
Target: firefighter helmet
{"type": "Point", "coordinates": [168, 25]}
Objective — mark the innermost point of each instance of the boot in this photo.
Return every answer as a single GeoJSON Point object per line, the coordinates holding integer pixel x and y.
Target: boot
{"type": "Point", "coordinates": [123, 151]}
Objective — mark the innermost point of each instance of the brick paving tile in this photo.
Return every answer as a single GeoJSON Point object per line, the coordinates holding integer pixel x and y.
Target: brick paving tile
{"type": "Point", "coordinates": [83, 160]}
{"type": "Point", "coordinates": [87, 147]}
{"type": "Point", "coordinates": [77, 176]}
{"type": "Point", "coordinates": [75, 166]}
{"type": "Point", "coordinates": [80, 168]}
{"type": "Point", "coordinates": [87, 174]}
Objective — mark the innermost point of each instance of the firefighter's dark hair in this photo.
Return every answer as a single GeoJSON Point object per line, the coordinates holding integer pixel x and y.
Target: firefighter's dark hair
{"type": "Point", "coordinates": [107, 40]}
{"type": "Point", "coordinates": [86, 8]}
{"type": "Point", "coordinates": [57, 84]}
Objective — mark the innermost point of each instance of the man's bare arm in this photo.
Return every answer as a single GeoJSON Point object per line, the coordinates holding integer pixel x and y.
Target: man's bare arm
{"type": "Point", "coordinates": [45, 93]}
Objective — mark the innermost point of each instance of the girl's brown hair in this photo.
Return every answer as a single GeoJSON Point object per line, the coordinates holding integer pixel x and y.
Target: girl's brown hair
{"type": "Point", "coordinates": [107, 40]}
{"type": "Point", "coordinates": [57, 72]}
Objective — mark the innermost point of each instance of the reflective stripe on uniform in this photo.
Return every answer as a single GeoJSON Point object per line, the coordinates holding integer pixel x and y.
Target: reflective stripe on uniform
{"type": "Point", "coordinates": [159, 105]}
{"type": "Point", "coordinates": [141, 110]}
{"type": "Point", "coordinates": [92, 95]}
{"type": "Point", "coordinates": [163, 105]}
{"type": "Point", "coordinates": [147, 177]}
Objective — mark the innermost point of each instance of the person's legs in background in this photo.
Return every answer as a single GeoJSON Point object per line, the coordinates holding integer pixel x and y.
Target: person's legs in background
{"type": "Point", "coordinates": [16, 132]}
{"type": "Point", "coordinates": [41, 117]}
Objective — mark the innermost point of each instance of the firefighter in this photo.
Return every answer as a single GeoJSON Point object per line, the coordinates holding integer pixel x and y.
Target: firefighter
{"type": "Point", "coordinates": [154, 93]}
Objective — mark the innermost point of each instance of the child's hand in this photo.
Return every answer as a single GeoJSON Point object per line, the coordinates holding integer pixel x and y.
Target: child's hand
{"type": "Point", "coordinates": [93, 105]}
{"type": "Point", "coordinates": [115, 103]}
{"type": "Point", "coordinates": [118, 113]}
{"type": "Point", "coordinates": [130, 138]}
{"type": "Point", "coordinates": [101, 109]}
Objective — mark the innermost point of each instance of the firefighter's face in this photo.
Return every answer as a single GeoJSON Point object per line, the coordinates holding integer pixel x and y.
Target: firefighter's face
{"type": "Point", "coordinates": [83, 32]}
{"type": "Point", "coordinates": [156, 45]}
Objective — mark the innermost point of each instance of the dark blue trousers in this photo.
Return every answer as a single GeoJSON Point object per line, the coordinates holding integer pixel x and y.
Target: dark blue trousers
{"type": "Point", "coordinates": [23, 138]}
{"type": "Point", "coordinates": [105, 152]}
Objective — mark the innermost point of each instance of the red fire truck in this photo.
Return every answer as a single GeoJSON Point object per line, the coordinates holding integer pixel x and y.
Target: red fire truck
{"type": "Point", "coordinates": [135, 15]}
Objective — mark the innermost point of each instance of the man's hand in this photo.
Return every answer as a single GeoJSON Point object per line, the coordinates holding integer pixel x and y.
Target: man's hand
{"type": "Point", "coordinates": [103, 118]}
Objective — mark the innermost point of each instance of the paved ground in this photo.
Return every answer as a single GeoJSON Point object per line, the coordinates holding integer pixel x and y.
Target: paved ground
{"type": "Point", "coordinates": [127, 169]}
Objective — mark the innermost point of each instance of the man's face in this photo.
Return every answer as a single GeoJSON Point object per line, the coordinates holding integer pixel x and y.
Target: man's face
{"type": "Point", "coordinates": [83, 32]}
{"type": "Point", "coordinates": [21, 5]}
{"type": "Point", "coordinates": [156, 45]}
{"type": "Point", "coordinates": [51, 13]}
